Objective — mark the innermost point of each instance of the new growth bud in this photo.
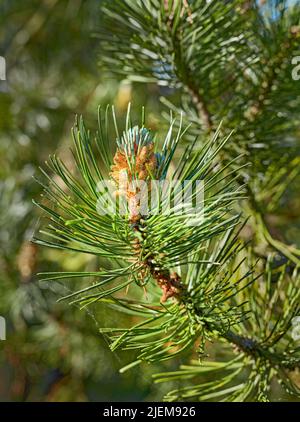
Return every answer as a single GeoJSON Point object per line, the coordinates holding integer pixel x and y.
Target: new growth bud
{"type": "Point", "coordinates": [135, 164]}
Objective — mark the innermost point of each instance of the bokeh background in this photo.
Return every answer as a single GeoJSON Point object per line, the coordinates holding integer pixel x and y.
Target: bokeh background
{"type": "Point", "coordinates": [53, 351]}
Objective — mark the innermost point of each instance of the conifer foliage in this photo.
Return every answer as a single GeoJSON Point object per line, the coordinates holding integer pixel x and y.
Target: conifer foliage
{"type": "Point", "coordinates": [223, 279]}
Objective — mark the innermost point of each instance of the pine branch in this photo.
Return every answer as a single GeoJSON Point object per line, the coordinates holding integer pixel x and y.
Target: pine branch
{"type": "Point", "coordinates": [203, 280]}
{"type": "Point", "coordinates": [248, 375]}
{"type": "Point", "coordinates": [254, 43]}
{"type": "Point", "coordinates": [202, 266]}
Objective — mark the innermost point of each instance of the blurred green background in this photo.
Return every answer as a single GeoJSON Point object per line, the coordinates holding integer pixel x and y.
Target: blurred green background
{"type": "Point", "coordinates": [53, 351]}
